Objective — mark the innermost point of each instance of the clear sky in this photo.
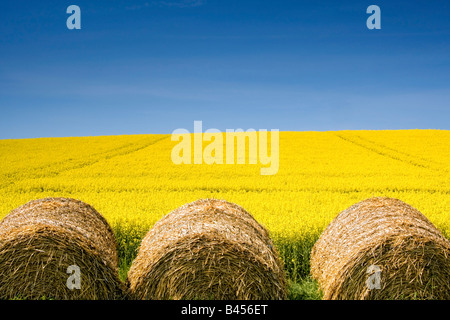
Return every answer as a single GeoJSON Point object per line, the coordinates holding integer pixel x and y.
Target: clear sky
{"type": "Point", "coordinates": [153, 66]}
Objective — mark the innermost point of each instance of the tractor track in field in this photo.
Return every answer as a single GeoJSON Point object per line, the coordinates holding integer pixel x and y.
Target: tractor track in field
{"type": "Point", "coordinates": [106, 155]}
{"type": "Point", "coordinates": [398, 155]}
{"type": "Point", "coordinates": [408, 155]}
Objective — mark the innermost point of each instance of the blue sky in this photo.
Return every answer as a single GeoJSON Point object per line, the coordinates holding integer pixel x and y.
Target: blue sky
{"type": "Point", "coordinates": [154, 66]}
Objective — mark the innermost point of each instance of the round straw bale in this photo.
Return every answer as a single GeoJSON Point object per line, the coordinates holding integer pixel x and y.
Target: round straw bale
{"type": "Point", "coordinates": [382, 248]}
{"type": "Point", "coordinates": [40, 240]}
{"type": "Point", "coordinates": [207, 250]}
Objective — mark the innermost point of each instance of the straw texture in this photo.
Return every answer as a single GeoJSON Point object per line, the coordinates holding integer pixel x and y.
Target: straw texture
{"type": "Point", "coordinates": [41, 239]}
{"type": "Point", "coordinates": [410, 252]}
{"type": "Point", "coordinates": [208, 249]}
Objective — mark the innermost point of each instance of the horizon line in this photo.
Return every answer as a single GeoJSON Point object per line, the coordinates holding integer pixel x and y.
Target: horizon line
{"type": "Point", "coordinates": [220, 131]}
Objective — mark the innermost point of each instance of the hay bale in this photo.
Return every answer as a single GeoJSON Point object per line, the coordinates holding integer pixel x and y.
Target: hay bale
{"type": "Point", "coordinates": [41, 239]}
{"type": "Point", "coordinates": [411, 256]}
{"type": "Point", "coordinates": [208, 250]}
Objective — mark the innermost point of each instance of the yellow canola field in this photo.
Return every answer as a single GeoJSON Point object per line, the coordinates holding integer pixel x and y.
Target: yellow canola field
{"type": "Point", "coordinates": [133, 182]}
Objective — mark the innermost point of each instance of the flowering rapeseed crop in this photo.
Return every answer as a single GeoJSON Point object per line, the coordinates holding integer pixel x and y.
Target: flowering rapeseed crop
{"type": "Point", "coordinates": [133, 182]}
